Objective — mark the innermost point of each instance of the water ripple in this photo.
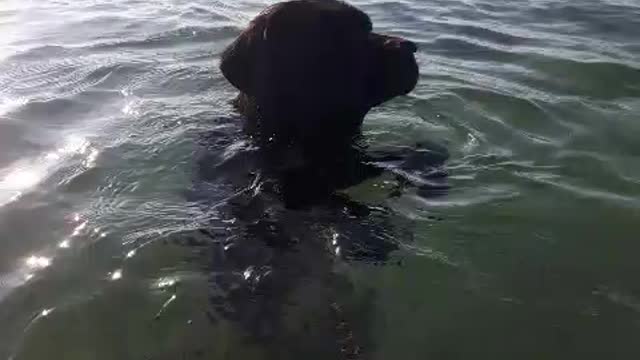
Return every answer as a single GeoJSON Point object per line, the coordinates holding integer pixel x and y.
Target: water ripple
{"type": "Point", "coordinates": [102, 107]}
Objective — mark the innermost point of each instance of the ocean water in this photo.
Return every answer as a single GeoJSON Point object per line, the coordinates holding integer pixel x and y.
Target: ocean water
{"type": "Point", "coordinates": [130, 229]}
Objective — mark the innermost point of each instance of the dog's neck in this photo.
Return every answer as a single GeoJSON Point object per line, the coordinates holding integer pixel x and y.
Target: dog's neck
{"type": "Point", "coordinates": [272, 126]}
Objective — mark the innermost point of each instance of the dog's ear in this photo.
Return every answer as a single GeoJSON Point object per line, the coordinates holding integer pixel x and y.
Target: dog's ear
{"type": "Point", "coordinates": [240, 57]}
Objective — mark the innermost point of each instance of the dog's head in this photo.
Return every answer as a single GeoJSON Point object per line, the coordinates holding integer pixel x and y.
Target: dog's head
{"type": "Point", "coordinates": [318, 60]}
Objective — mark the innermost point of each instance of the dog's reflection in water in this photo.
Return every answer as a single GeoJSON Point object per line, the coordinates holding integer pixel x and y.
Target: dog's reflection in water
{"type": "Point", "coordinates": [279, 246]}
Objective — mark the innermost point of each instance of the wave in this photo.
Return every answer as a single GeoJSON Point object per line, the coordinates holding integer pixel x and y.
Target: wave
{"type": "Point", "coordinates": [582, 191]}
{"type": "Point", "coordinates": [172, 38]}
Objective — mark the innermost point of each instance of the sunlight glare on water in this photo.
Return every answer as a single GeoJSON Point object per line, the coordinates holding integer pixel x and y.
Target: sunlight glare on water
{"type": "Point", "coordinates": [9, 104]}
{"type": "Point", "coordinates": [38, 262]}
{"type": "Point", "coordinates": [22, 177]}
{"type": "Point", "coordinates": [116, 275]}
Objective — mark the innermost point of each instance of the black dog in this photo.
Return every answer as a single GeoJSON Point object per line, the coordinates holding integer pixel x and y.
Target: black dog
{"type": "Point", "coordinates": [310, 70]}
{"type": "Point", "coordinates": [272, 268]}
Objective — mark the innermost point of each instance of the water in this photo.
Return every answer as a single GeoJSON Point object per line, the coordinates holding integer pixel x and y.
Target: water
{"type": "Point", "coordinates": [105, 191]}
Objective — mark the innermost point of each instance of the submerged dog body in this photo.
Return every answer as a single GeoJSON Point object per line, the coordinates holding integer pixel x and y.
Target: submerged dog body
{"type": "Point", "coordinates": [310, 70]}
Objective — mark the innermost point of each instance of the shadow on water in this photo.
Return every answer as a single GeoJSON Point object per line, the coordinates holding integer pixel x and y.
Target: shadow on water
{"type": "Point", "coordinates": [282, 234]}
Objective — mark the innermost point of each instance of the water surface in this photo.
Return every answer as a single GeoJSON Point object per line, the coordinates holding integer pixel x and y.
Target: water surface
{"type": "Point", "coordinates": [121, 161]}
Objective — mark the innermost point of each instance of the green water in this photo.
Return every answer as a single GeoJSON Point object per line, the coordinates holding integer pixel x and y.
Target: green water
{"type": "Point", "coordinates": [530, 254]}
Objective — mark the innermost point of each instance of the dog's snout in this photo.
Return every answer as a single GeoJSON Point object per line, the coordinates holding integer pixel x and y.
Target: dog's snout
{"type": "Point", "coordinates": [409, 46]}
{"type": "Point", "coordinates": [402, 44]}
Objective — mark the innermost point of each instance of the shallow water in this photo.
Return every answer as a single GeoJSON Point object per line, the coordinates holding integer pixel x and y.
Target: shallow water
{"type": "Point", "coordinates": [122, 164]}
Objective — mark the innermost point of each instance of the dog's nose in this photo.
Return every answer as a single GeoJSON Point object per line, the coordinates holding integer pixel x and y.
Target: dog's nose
{"type": "Point", "coordinates": [409, 46]}
{"type": "Point", "coordinates": [402, 44]}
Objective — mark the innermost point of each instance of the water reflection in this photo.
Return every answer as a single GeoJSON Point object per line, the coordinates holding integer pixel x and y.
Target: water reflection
{"type": "Point", "coordinates": [166, 282]}
{"type": "Point", "coordinates": [21, 179]}
{"type": "Point", "coordinates": [38, 262]}
{"type": "Point", "coordinates": [166, 304]}
{"type": "Point", "coordinates": [15, 197]}
{"type": "Point", "coordinates": [116, 275]}
{"type": "Point", "coordinates": [9, 104]}
{"type": "Point", "coordinates": [90, 161]}
{"type": "Point", "coordinates": [78, 229]}
{"type": "Point", "coordinates": [32, 265]}
{"type": "Point", "coordinates": [23, 273]}
{"type": "Point", "coordinates": [131, 104]}
{"type": "Point", "coordinates": [22, 176]}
